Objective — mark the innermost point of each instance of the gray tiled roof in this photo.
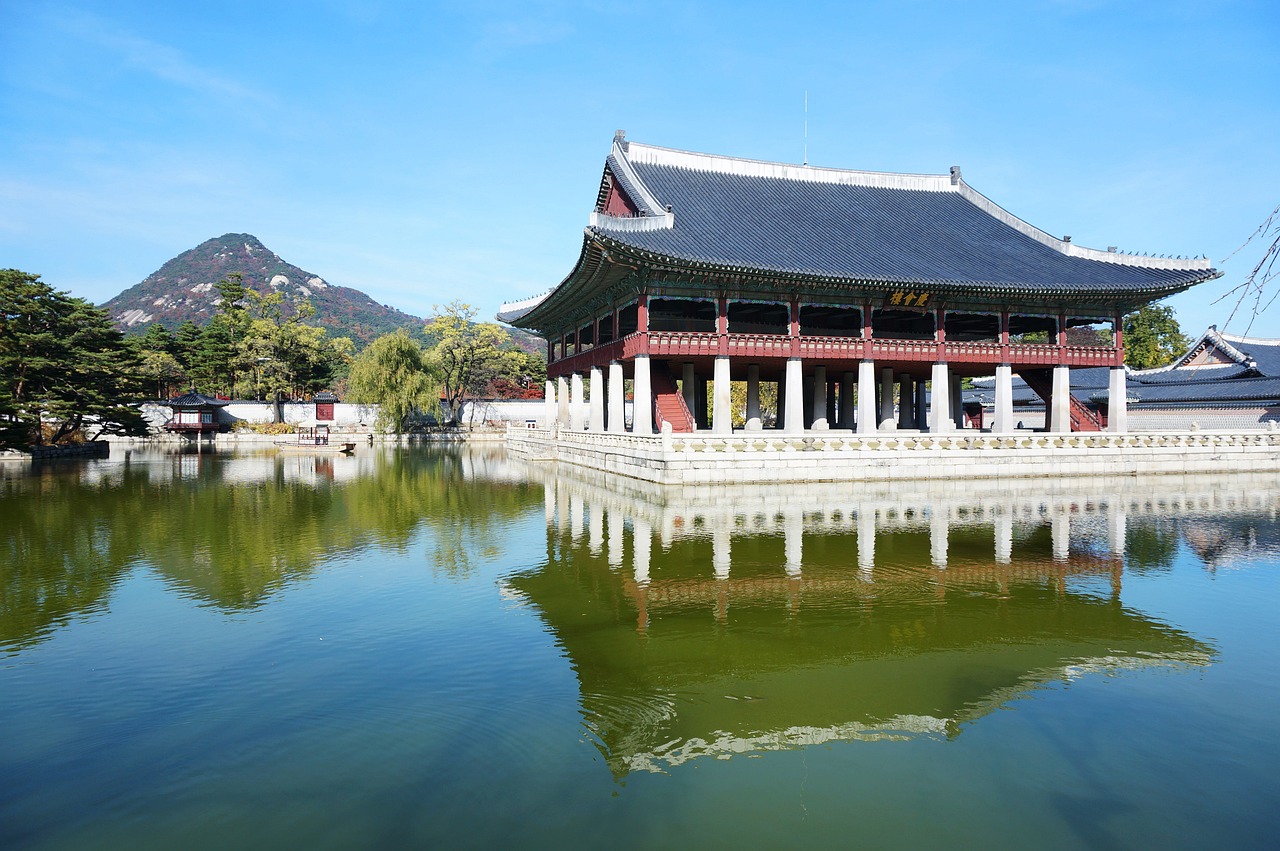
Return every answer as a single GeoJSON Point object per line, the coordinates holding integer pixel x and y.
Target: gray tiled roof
{"type": "Point", "coordinates": [193, 400]}
{"type": "Point", "coordinates": [1166, 390]}
{"type": "Point", "coordinates": [827, 228]}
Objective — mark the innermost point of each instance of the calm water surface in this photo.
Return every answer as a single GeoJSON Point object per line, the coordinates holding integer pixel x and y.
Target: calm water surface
{"type": "Point", "coordinates": [419, 648]}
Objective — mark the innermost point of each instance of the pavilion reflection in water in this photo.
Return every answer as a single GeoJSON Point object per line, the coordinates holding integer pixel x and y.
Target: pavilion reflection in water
{"type": "Point", "coordinates": [723, 621]}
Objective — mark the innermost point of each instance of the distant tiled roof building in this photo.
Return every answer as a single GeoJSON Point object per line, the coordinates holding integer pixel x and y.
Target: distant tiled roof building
{"type": "Point", "coordinates": [1223, 381]}
{"type": "Point", "coordinates": [840, 285]}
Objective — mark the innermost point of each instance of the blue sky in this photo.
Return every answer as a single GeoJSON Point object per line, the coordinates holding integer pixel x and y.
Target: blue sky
{"type": "Point", "coordinates": [429, 151]}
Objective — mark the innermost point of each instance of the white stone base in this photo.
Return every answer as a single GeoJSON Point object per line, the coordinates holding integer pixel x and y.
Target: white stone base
{"type": "Point", "coordinates": [840, 456]}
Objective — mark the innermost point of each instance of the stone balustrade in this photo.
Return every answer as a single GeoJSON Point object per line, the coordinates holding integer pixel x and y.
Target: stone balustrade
{"type": "Point", "coordinates": [846, 456]}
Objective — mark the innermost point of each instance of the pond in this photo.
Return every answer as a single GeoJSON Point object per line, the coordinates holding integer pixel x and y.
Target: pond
{"type": "Point", "coordinates": [413, 647]}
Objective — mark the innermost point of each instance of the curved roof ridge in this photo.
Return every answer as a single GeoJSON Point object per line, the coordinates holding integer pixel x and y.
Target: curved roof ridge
{"type": "Point", "coordinates": [722, 164]}
{"type": "Point", "coordinates": [1243, 339]}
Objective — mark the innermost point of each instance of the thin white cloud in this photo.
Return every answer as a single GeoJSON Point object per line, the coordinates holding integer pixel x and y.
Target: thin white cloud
{"type": "Point", "coordinates": [159, 60]}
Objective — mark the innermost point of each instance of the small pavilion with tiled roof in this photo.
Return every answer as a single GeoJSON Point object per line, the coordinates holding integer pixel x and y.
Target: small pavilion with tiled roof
{"type": "Point", "coordinates": [195, 414]}
{"type": "Point", "coordinates": [839, 285]}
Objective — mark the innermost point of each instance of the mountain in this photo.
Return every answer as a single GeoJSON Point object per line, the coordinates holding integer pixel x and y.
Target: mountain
{"type": "Point", "coordinates": [183, 289]}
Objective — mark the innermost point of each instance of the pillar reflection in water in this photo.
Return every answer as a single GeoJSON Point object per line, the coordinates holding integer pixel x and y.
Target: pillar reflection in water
{"type": "Point", "coordinates": [939, 528]}
{"type": "Point", "coordinates": [595, 529]}
{"type": "Point", "coordinates": [866, 542]}
{"type": "Point", "coordinates": [641, 547]}
{"type": "Point", "coordinates": [575, 517]}
{"type": "Point", "coordinates": [1004, 537]}
{"type": "Point", "coordinates": [720, 549]}
{"type": "Point", "coordinates": [884, 642]}
{"type": "Point", "coordinates": [614, 520]}
{"type": "Point", "coordinates": [793, 532]}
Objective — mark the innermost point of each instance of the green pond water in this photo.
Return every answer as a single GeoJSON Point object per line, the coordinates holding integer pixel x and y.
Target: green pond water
{"type": "Point", "coordinates": [423, 648]}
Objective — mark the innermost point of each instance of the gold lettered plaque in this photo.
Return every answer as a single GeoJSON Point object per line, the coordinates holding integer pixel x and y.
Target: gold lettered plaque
{"type": "Point", "coordinates": [907, 300]}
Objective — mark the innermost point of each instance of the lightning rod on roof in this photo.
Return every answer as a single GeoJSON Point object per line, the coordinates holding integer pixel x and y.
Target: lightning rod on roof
{"type": "Point", "coordinates": [806, 126]}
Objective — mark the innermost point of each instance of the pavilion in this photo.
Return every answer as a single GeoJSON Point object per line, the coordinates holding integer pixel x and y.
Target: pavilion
{"type": "Point", "coordinates": [852, 290]}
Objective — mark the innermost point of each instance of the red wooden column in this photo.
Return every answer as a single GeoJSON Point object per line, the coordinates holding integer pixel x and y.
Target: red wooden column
{"type": "Point", "coordinates": [793, 327]}
{"type": "Point", "coordinates": [615, 322]}
{"type": "Point", "coordinates": [1117, 324]}
{"type": "Point", "coordinates": [1062, 339]}
{"type": "Point", "coordinates": [940, 334]}
{"type": "Point", "coordinates": [1004, 336]}
{"type": "Point", "coordinates": [722, 325]}
{"type": "Point", "coordinates": [867, 343]}
{"type": "Point", "coordinates": [642, 321]}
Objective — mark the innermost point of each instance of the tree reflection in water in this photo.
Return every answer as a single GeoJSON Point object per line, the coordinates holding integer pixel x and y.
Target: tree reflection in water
{"type": "Point", "coordinates": [231, 529]}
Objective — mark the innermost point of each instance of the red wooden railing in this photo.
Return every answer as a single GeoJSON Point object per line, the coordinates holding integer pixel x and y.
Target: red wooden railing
{"type": "Point", "coordinates": [701, 344]}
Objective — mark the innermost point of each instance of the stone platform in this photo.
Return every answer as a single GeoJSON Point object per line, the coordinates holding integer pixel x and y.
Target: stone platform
{"type": "Point", "coordinates": [770, 457]}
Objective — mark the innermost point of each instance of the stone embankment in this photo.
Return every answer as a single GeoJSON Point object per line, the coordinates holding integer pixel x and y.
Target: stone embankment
{"type": "Point", "coordinates": [92, 449]}
{"type": "Point", "coordinates": [811, 457]}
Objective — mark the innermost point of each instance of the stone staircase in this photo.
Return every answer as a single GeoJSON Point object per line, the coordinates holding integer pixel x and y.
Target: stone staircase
{"type": "Point", "coordinates": [669, 403]}
{"type": "Point", "coordinates": [1041, 381]}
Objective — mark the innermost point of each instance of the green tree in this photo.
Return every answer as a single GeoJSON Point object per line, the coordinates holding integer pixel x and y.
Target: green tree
{"type": "Point", "coordinates": [285, 355]}
{"type": "Point", "coordinates": [468, 354]}
{"type": "Point", "coordinates": [394, 373]}
{"type": "Point", "coordinates": [156, 353]}
{"type": "Point", "coordinates": [64, 368]}
{"type": "Point", "coordinates": [1152, 337]}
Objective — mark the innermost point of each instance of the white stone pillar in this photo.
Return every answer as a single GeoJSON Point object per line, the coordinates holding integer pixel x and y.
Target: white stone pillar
{"type": "Point", "coordinates": [793, 410]}
{"type": "Point", "coordinates": [1004, 537]}
{"type": "Point", "coordinates": [689, 389]}
{"type": "Point", "coordinates": [1060, 407]}
{"type": "Point", "coordinates": [1002, 419]}
{"type": "Point", "coordinates": [597, 399]}
{"type": "Point", "coordinates": [848, 407]}
{"type": "Point", "coordinates": [906, 402]}
{"type": "Point", "coordinates": [753, 398]}
{"type": "Point", "coordinates": [549, 404]}
{"type": "Point", "coordinates": [617, 398]}
{"type": "Point", "coordinates": [866, 397]}
{"type": "Point", "coordinates": [642, 404]}
{"type": "Point", "coordinates": [886, 399]}
{"type": "Point", "coordinates": [1118, 403]}
{"type": "Point", "coordinates": [820, 399]}
{"type": "Point", "coordinates": [721, 403]}
{"type": "Point", "coordinates": [939, 533]}
{"type": "Point", "coordinates": [576, 403]}
{"type": "Point", "coordinates": [940, 400]}
{"type": "Point", "coordinates": [562, 401]}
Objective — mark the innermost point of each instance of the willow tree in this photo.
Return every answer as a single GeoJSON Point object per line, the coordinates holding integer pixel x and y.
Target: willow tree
{"type": "Point", "coordinates": [394, 373]}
